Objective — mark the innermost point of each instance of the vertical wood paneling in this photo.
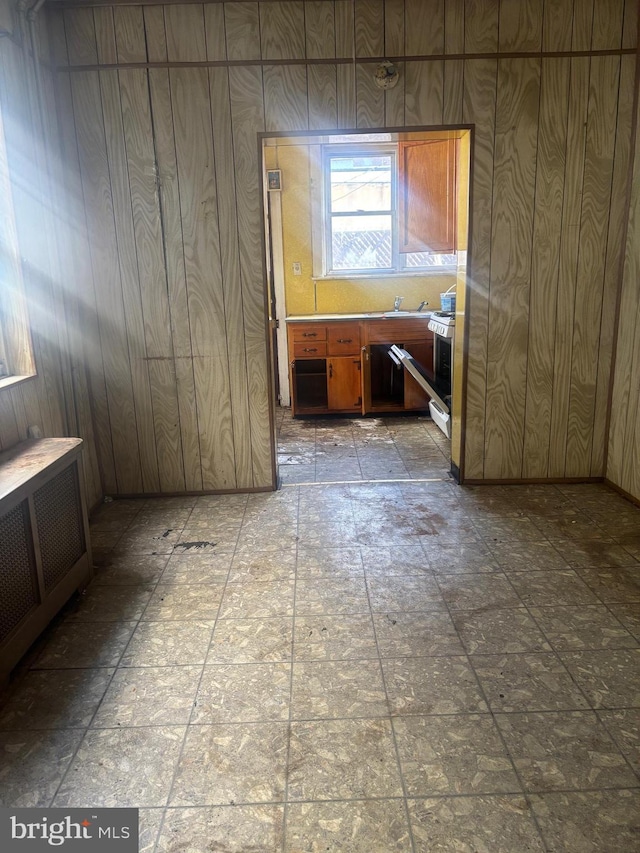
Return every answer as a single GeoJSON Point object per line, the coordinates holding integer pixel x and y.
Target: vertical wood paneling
{"type": "Point", "coordinates": [424, 92]}
{"type": "Point", "coordinates": [176, 275]}
{"type": "Point", "coordinates": [520, 25]}
{"type": "Point", "coordinates": [480, 77]}
{"type": "Point", "coordinates": [394, 27]}
{"type": "Point", "coordinates": [582, 24]}
{"type": "Point", "coordinates": [282, 34]}
{"type": "Point", "coordinates": [285, 97]}
{"type": "Point", "coordinates": [242, 28]}
{"type": "Point", "coordinates": [556, 25]}
{"type": "Point", "coordinates": [247, 117]}
{"type": "Point", "coordinates": [345, 74]}
{"type": "Point", "coordinates": [369, 25]}
{"type": "Point", "coordinates": [320, 29]}
{"type": "Point", "coordinates": [129, 285]}
{"type": "Point", "coordinates": [198, 205]}
{"type": "Point", "coordinates": [214, 31]}
{"type": "Point", "coordinates": [155, 33]}
{"type": "Point", "coordinates": [615, 250]}
{"type": "Point", "coordinates": [136, 115]}
{"type": "Point", "coordinates": [544, 265]}
{"type": "Point", "coordinates": [97, 196]}
{"type": "Point", "coordinates": [596, 195]}
{"type": "Point", "coordinates": [322, 96]}
{"type": "Point", "coordinates": [81, 36]}
{"type": "Point", "coordinates": [453, 92]}
{"type": "Point", "coordinates": [394, 100]}
{"type": "Point", "coordinates": [105, 35]}
{"type": "Point", "coordinates": [569, 244]}
{"type": "Point", "coordinates": [129, 26]}
{"type": "Point", "coordinates": [454, 27]}
{"type": "Point", "coordinates": [230, 261]}
{"type": "Point", "coordinates": [630, 25]}
{"type": "Point", "coordinates": [481, 26]}
{"type": "Point", "coordinates": [607, 25]}
{"type": "Point", "coordinates": [370, 99]}
{"type": "Point", "coordinates": [424, 27]}
{"type": "Point", "coordinates": [514, 180]}
{"type": "Point", "coordinates": [184, 26]}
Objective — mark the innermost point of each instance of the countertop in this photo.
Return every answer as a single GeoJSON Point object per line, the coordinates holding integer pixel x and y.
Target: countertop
{"type": "Point", "coordinates": [370, 315]}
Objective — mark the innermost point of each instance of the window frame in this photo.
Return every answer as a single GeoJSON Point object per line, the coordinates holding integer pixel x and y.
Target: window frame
{"type": "Point", "coordinates": [399, 269]}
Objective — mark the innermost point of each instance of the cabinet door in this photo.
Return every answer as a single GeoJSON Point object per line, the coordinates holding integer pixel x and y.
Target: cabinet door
{"type": "Point", "coordinates": [343, 384]}
{"type": "Point", "coordinates": [414, 396]}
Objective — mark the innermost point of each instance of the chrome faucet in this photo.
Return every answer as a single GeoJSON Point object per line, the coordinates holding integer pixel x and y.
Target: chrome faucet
{"type": "Point", "coordinates": [396, 303]}
{"type": "Point", "coordinates": [421, 306]}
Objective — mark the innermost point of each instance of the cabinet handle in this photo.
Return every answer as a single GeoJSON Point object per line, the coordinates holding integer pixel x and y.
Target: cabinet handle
{"type": "Point", "coordinates": [330, 370]}
{"type": "Point", "coordinates": [310, 349]}
{"type": "Point", "coordinates": [309, 334]}
{"type": "Point", "coordinates": [345, 340]}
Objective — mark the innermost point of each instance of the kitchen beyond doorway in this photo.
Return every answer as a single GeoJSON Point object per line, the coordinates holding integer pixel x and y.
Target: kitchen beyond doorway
{"type": "Point", "coordinates": [333, 450]}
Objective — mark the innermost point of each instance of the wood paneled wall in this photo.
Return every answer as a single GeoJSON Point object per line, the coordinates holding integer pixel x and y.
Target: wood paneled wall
{"type": "Point", "coordinates": [48, 233]}
{"type": "Point", "coordinates": [623, 463]}
{"type": "Point", "coordinates": [168, 158]}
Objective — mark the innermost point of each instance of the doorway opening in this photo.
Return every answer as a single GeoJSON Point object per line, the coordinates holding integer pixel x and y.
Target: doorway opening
{"type": "Point", "coordinates": [367, 236]}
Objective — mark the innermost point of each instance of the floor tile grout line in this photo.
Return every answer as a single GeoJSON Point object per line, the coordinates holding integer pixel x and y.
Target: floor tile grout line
{"type": "Point", "coordinates": [176, 766]}
{"type": "Point", "coordinates": [393, 731]}
{"type": "Point", "coordinates": [598, 712]}
{"type": "Point", "coordinates": [291, 671]}
{"type": "Point", "coordinates": [499, 732]}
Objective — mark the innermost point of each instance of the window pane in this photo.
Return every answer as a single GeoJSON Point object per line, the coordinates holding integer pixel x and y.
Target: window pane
{"type": "Point", "coordinates": [361, 242]}
{"type": "Point", "coordinates": [360, 183]}
{"type": "Point", "coordinates": [412, 260]}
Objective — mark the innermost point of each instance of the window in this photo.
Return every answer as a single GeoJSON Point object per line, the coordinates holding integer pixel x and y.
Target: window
{"type": "Point", "coordinates": [374, 194]}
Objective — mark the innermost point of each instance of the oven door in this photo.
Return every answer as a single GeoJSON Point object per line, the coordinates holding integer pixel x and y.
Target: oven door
{"type": "Point", "coordinates": [424, 377]}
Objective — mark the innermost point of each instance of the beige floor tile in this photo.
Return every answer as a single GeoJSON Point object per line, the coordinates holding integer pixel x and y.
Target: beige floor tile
{"type": "Point", "coordinates": [180, 601]}
{"type": "Point", "coordinates": [329, 562]}
{"type": "Point", "coordinates": [149, 821]}
{"type": "Point", "coordinates": [232, 829]}
{"type": "Point", "coordinates": [416, 634]}
{"type": "Point", "coordinates": [73, 645]}
{"type": "Point", "coordinates": [364, 826]}
{"type": "Point", "coordinates": [257, 600]}
{"type": "Point", "coordinates": [136, 570]}
{"type": "Point", "coordinates": [251, 640]}
{"type": "Point", "coordinates": [386, 562]}
{"type": "Point", "coordinates": [488, 824]}
{"type": "Point", "coordinates": [564, 751]}
{"type": "Point", "coordinates": [330, 689]}
{"type": "Point", "coordinates": [527, 556]}
{"type": "Point", "coordinates": [194, 568]}
{"type": "Point", "coordinates": [33, 765]}
{"type": "Point", "coordinates": [609, 679]}
{"type": "Point", "coordinates": [624, 728]}
{"type": "Point", "coordinates": [54, 699]}
{"type": "Point", "coordinates": [130, 768]}
{"type": "Point", "coordinates": [620, 584]}
{"type": "Point", "coordinates": [527, 682]}
{"type": "Point", "coordinates": [232, 764]}
{"type": "Point", "coordinates": [453, 754]}
{"type": "Point", "coordinates": [469, 592]}
{"type": "Point", "coordinates": [342, 759]}
{"type": "Point", "coordinates": [629, 614]}
{"type": "Point", "coordinates": [243, 693]}
{"type": "Point", "coordinates": [337, 596]}
{"type": "Point", "coordinates": [109, 604]}
{"type": "Point", "coordinates": [403, 594]}
{"type": "Point", "coordinates": [149, 696]}
{"type": "Point", "coordinates": [168, 643]}
{"type": "Point", "coordinates": [148, 539]}
{"type": "Point", "coordinates": [264, 566]}
{"type": "Point", "coordinates": [490, 631]}
{"type": "Point", "coordinates": [436, 685]}
{"type": "Point", "coordinates": [460, 558]}
{"type": "Point", "coordinates": [349, 636]}
{"type": "Point", "coordinates": [580, 627]}
{"type": "Point", "coordinates": [589, 822]}
{"type": "Point", "coordinates": [556, 587]}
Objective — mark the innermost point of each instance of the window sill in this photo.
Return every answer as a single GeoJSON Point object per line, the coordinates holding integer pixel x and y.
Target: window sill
{"type": "Point", "coordinates": [12, 381]}
{"type": "Point", "coordinates": [344, 276]}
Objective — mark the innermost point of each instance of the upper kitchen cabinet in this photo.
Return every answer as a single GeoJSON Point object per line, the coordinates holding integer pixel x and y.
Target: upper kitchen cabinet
{"type": "Point", "coordinates": [427, 196]}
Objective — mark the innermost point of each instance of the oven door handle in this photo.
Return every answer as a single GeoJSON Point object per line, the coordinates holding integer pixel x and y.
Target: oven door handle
{"type": "Point", "coordinates": [413, 368]}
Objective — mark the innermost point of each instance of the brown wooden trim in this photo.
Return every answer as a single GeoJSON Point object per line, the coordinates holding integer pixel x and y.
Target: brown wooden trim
{"type": "Point", "coordinates": [347, 60]}
{"type": "Point", "coordinates": [467, 303]}
{"type": "Point", "coordinates": [144, 495]}
{"type": "Point", "coordinates": [532, 481]}
{"type": "Point", "coordinates": [631, 498]}
{"type": "Point", "coordinates": [623, 253]}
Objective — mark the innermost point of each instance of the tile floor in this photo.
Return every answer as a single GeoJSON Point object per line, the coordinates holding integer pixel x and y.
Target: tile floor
{"type": "Point", "coordinates": [363, 667]}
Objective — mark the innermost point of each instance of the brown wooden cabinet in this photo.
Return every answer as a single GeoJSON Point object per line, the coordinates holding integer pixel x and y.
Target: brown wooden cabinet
{"type": "Point", "coordinates": [343, 366]}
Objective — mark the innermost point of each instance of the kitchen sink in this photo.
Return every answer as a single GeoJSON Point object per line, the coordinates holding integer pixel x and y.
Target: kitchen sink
{"type": "Point", "coordinates": [426, 314]}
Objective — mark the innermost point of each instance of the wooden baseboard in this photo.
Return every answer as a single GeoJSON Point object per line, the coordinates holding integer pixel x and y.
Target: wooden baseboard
{"type": "Point", "coordinates": [535, 481]}
{"type": "Point", "coordinates": [632, 498]}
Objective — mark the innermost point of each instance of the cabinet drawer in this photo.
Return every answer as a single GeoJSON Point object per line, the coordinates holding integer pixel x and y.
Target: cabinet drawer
{"type": "Point", "coordinates": [309, 349]}
{"type": "Point", "coordinates": [343, 339]}
{"type": "Point", "coordinates": [309, 332]}
{"type": "Point", "coordinates": [387, 331]}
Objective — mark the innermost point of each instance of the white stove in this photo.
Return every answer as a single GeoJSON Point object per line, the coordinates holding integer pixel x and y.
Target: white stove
{"type": "Point", "coordinates": [442, 323]}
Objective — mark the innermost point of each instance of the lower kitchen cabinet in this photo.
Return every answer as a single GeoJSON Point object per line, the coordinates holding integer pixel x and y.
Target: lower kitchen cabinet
{"type": "Point", "coordinates": [343, 366]}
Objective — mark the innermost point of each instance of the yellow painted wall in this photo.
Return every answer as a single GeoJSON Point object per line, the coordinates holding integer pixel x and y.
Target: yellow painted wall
{"type": "Point", "coordinates": [339, 296]}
